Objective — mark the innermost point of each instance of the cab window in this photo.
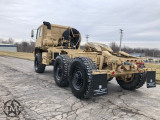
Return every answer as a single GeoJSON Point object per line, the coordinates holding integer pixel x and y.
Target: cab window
{"type": "Point", "coordinates": [39, 32]}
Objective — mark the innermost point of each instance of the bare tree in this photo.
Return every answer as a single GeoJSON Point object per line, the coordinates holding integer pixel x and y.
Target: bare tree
{"type": "Point", "coordinates": [10, 41]}
{"type": "Point", "coordinates": [1, 40]}
{"type": "Point", "coordinates": [114, 46]}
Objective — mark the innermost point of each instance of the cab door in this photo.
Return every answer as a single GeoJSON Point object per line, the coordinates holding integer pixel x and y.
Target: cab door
{"type": "Point", "coordinates": [39, 37]}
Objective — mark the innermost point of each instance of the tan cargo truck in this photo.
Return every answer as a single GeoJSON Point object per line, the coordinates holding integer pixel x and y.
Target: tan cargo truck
{"type": "Point", "coordinates": [86, 71]}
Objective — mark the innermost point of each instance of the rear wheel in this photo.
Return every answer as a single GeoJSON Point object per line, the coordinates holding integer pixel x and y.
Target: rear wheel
{"type": "Point", "coordinates": [80, 77]}
{"type": "Point", "coordinates": [136, 81]}
{"type": "Point", "coordinates": [61, 66]}
{"type": "Point", "coordinates": [38, 66]}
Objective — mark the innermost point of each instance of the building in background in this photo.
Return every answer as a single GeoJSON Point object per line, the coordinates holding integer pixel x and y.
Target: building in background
{"type": "Point", "coordinates": [8, 47]}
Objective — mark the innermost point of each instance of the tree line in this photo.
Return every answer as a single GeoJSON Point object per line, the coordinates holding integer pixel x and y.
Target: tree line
{"type": "Point", "coordinates": [148, 52]}
{"type": "Point", "coordinates": [29, 46]}
{"type": "Point", "coordinates": [24, 46]}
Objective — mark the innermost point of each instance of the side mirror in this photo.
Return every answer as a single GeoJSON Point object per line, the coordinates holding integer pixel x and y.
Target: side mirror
{"type": "Point", "coordinates": [32, 33]}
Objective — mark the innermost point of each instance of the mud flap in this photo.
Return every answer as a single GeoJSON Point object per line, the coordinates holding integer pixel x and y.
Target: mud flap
{"type": "Point", "coordinates": [100, 84]}
{"type": "Point", "coordinates": [151, 79]}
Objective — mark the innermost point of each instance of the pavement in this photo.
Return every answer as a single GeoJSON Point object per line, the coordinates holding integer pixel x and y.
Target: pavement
{"type": "Point", "coordinates": [42, 99]}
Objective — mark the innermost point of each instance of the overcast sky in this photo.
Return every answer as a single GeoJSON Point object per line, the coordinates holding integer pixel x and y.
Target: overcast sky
{"type": "Point", "coordinates": [101, 19]}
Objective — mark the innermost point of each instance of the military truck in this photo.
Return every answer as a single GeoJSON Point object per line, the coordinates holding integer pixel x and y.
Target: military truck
{"type": "Point", "coordinates": [86, 71]}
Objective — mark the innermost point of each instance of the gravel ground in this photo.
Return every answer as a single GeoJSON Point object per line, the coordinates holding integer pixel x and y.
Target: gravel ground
{"type": "Point", "coordinates": [42, 99]}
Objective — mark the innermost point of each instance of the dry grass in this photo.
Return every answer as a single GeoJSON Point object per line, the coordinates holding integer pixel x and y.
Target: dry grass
{"type": "Point", "coordinates": [22, 55]}
{"type": "Point", "coordinates": [151, 65]}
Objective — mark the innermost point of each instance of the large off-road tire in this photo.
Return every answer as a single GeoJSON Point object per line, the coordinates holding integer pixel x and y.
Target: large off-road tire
{"type": "Point", "coordinates": [38, 66]}
{"type": "Point", "coordinates": [80, 77]}
{"type": "Point", "coordinates": [61, 66]}
{"type": "Point", "coordinates": [137, 81]}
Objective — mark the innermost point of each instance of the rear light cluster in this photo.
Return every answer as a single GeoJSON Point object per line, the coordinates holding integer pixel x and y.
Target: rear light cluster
{"type": "Point", "coordinates": [140, 64]}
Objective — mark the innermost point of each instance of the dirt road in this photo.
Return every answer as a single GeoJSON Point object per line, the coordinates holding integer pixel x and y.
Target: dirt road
{"type": "Point", "coordinates": [42, 99]}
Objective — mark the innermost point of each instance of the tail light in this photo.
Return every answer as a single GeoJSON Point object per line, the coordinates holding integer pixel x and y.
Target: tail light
{"type": "Point", "coordinates": [140, 64]}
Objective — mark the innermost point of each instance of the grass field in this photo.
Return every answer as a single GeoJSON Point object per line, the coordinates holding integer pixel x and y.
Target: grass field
{"type": "Point", "coordinates": [27, 56]}
{"type": "Point", "coordinates": [30, 56]}
{"type": "Point", "coordinates": [151, 65]}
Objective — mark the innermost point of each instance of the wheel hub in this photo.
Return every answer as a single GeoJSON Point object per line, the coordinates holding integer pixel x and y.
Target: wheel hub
{"type": "Point", "coordinates": [59, 72]}
{"type": "Point", "coordinates": [77, 80]}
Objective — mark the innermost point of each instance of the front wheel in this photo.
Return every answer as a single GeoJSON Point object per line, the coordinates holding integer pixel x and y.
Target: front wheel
{"type": "Point", "coordinates": [38, 66]}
